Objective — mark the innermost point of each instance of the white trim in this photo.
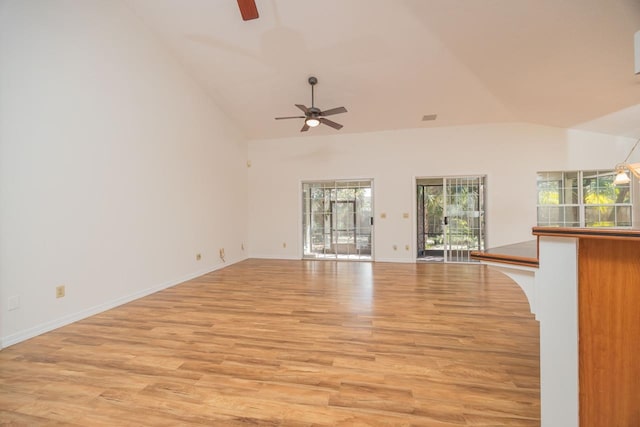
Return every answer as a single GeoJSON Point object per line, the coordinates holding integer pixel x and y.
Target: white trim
{"type": "Point", "coordinates": [413, 216]}
{"type": "Point", "coordinates": [338, 259]}
{"type": "Point", "coordinates": [500, 265]}
{"type": "Point", "coordinates": [636, 44]}
{"type": "Point", "coordinates": [300, 233]}
{"type": "Point", "coordinates": [83, 314]}
{"type": "Point", "coordinates": [283, 257]}
{"type": "Point", "coordinates": [397, 260]}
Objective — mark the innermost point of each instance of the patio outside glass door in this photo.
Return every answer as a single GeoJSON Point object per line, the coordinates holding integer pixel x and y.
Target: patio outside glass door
{"type": "Point", "coordinates": [450, 213]}
{"type": "Point", "coordinates": [337, 220]}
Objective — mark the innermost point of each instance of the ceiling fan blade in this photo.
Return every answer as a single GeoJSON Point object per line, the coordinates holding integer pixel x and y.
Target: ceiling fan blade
{"type": "Point", "coordinates": [333, 111]}
{"type": "Point", "coordinates": [328, 122]}
{"type": "Point", "coordinates": [305, 127]}
{"type": "Point", "coordinates": [302, 107]}
{"type": "Point", "coordinates": [291, 117]}
{"type": "Point", "coordinates": [248, 9]}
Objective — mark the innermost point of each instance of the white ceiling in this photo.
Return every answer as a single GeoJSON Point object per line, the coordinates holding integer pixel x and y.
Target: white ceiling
{"type": "Point", "coordinates": [566, 63]}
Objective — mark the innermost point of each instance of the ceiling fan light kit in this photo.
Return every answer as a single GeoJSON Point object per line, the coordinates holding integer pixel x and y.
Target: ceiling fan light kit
{"type": "Point", "coordinates": [314, 116]}
{"type": "Point", "coordinates": [311, 122]}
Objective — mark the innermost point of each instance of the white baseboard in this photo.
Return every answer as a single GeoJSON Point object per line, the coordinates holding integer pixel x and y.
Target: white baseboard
{"type": "Point", "coordinates": [397, 260]}
{"type": "Point", "coordinates": [257, 256]}
{"type": "Point", "coordinates": [636, 42]}
{"type": "Point", "coordinates": [83, 314]}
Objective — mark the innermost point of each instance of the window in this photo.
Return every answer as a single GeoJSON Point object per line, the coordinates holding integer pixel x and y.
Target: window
{"type": "Point", "coordinates": [583, 199]}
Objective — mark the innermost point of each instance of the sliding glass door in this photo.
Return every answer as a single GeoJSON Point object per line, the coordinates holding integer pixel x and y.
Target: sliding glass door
{"type": "Point", "coordinates": [450, 214]}
{"type": "Point", "coordinates": [337, 220]}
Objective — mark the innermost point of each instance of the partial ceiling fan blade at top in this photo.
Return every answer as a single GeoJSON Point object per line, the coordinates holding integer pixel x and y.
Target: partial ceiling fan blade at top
{"type": "Point", "coordinates": [302, 107]}
{"type": "Point", "coordinates": [333, 111]}
{"type": "Point", "coordinates": [248, 9]}
{"type": "Point", "coordinates": [291, 117]}
{"type": "Point", "coordinates": [305, 127]}
{"type": "Point", "coordinates": [333, 124]}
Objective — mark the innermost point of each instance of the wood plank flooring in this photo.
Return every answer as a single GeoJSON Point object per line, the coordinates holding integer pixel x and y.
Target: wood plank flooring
{"type": "Point", "coordinates": [296, 343]}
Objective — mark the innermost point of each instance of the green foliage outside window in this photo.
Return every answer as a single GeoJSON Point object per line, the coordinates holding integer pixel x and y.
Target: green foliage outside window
{"type": "Point", "coordinates": [562, 196]}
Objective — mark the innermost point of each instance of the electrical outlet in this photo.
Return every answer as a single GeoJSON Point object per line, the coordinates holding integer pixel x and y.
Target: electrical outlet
{"type": "Point", "coordinates": [198, 257]}
{"type": "Point", "coordinates": [60, 291]}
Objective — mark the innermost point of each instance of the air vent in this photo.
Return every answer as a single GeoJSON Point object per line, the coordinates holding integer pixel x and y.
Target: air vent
{"type": "Point", "coordinates": [429, 117]}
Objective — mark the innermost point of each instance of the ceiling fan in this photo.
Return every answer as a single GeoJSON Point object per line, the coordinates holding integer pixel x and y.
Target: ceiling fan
{"type": "Point", "coordinates": [313, 116]}
{"type": "Point", "coordinates": [248, 9]}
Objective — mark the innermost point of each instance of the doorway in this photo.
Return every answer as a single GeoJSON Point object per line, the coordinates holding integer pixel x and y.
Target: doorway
{"type": "Point", "coordinates": [337, 220]}
{"type": "Point", "coordinates": [450, 218]}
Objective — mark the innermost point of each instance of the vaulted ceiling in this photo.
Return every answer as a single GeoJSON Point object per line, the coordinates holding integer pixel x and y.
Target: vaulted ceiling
{"type": "Point", "coordinates": [567, 63]}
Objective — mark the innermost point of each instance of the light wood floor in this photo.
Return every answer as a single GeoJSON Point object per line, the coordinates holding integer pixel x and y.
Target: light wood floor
{"type": "Point", "coordinates": [297, 343]}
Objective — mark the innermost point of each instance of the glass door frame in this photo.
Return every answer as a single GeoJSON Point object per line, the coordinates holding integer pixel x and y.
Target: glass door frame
{"type": "Point", "coordinates": [301, 220]}
{"type": "Point", "coordinates": [444, 179]}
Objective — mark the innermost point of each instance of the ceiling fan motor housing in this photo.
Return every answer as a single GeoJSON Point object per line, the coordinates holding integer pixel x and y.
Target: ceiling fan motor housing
{"type": "Point", "coordinates": [313, 112]}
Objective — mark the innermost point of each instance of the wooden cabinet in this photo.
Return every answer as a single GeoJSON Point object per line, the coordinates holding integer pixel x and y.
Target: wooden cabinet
{"type": "Point", "coordinates": [609, 332]}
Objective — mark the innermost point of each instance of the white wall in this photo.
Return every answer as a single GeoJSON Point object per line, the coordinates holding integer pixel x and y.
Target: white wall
{"type": "Point", "coordinates": [508, 154]}
{"type": "Point", "coordinates": [115, 168]}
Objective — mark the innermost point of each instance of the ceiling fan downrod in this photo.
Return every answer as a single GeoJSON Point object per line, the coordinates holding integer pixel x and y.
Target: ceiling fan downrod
{"type": "Point", "coordinates": [312, 81]}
